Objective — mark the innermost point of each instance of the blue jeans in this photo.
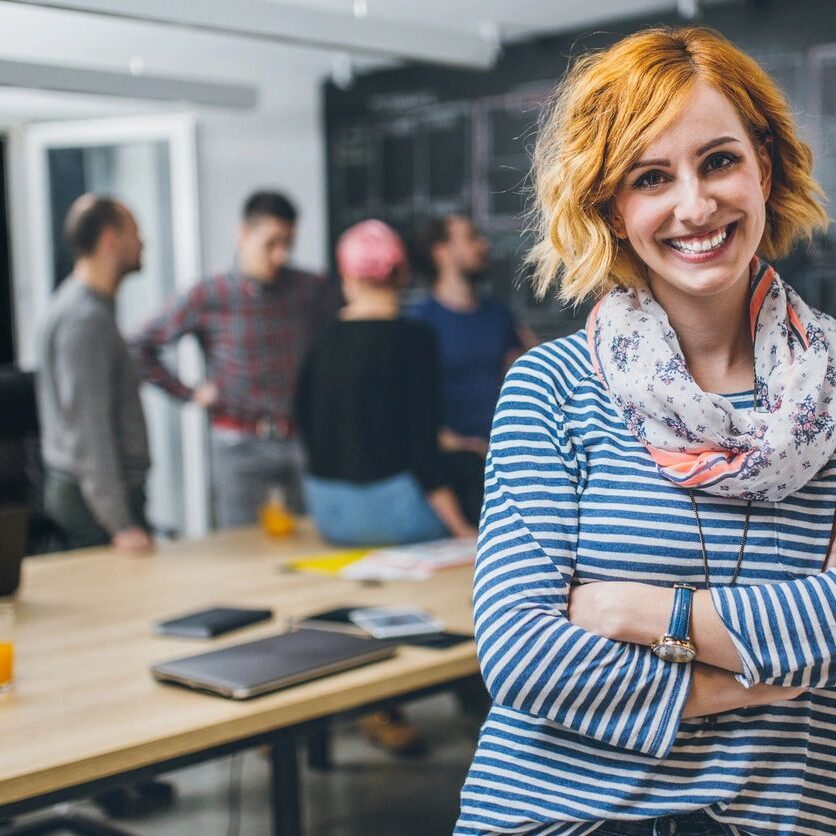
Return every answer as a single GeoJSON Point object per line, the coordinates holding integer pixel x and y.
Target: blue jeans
{"type": "Point", "coordinates": [389, 511]}
{"type": "Point", "coordinates": [686, 824]}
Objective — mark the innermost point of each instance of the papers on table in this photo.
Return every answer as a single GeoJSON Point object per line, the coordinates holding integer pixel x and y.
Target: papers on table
{"type": "Point", "coordinates": [331, 563]}
{"type": "Point", "coordinates": [417, 562]}
{"type": "Point", "coordinates": [411, 563]}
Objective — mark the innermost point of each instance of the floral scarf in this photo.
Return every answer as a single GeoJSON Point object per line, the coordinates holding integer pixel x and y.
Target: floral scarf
{"type": "Point", "coordinates": [698, 439]}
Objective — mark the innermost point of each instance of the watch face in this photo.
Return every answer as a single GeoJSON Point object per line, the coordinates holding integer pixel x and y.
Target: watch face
{"type": "Point", "coordinates": [671, 650]}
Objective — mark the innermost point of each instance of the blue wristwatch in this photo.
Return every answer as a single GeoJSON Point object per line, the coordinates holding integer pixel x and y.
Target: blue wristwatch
{"type": "Point", "coordinates": [676, 644]}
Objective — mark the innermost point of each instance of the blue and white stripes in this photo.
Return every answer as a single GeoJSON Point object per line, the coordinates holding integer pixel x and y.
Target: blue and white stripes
{"type": "Point", "coordinates": [584, 729]}
{"type": "Point", "coordinates": [785, 633]}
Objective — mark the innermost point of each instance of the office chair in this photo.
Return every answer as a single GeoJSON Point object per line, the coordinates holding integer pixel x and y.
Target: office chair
{"type": "Point", "coordinates": [21, 468]}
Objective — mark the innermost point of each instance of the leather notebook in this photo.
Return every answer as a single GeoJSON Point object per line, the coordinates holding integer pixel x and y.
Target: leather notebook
{"type": "Point", "coordinates": [205, 624]}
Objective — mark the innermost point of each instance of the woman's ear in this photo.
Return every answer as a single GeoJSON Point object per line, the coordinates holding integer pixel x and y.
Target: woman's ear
{"type": "Point", "coordinates": [764, 150]}
{"type": "Point", "coordinates": [617, 225]}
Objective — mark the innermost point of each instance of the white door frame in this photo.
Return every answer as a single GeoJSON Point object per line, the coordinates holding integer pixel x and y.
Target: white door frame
{"type": "Point", "coordinates": [31, 239]}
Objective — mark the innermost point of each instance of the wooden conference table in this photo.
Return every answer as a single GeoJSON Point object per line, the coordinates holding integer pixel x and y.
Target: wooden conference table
{"type": "Point", "coordinates": [86, 715]}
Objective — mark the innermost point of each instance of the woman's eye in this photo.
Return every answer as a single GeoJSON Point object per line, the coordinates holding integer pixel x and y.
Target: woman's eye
{"type": "Point", "coordinates": [649, 180]}
{"type": "Point", "coordinates": [719, 161]}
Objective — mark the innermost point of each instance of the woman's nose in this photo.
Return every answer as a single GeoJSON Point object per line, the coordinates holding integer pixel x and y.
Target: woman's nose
{"type": "Point", "coordinates": [694, 203]}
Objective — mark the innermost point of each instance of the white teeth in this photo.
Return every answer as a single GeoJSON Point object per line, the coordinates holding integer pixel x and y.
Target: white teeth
{"type": "Point", "coordinates": [700, 245]}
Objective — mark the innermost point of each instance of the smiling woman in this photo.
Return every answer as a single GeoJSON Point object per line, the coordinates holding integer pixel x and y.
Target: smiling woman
{"type": "Point", "coordinates": [616, 104]}
{"type": "Point", "coordinates": [693, 209]}
{"type": "Point", "coordinates": [655, 591]}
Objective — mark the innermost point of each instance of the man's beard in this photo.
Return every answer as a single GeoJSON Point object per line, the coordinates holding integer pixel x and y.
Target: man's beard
{"type": "Point", "coordinates": [134, 266]}
{"type": "Point", "coordinates": [480, 276]}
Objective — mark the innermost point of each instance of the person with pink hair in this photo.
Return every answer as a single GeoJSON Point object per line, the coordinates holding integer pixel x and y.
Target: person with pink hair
{"type": "Point", "coordinates": [368, 408]}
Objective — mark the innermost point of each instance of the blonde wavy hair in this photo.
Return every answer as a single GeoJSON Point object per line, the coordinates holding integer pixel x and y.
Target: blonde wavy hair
{"type": "Point", "coordinates": [608, 108]}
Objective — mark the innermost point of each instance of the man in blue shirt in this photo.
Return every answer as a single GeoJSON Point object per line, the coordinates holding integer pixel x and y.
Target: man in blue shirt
{"type": "Point", "coordinates": [478, 336]}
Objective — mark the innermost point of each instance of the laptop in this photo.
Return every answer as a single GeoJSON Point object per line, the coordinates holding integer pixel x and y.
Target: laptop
{"type": "Point", "coordinates": [259, 667]}
{"type": "Point", "coordinates": [14, 527]}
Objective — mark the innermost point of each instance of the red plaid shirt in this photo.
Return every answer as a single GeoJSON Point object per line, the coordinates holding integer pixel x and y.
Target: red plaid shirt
{"type": "Point", "coordinates": [254, 337]}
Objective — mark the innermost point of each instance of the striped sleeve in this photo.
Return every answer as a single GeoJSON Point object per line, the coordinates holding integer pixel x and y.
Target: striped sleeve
{"type": "Point", "coordinates": [533, 659]}
{"type": "Point", "coordinates": [785, 632]}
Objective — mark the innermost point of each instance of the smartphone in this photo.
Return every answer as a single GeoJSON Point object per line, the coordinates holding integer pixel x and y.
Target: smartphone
{"type": "Point", "coordinates": [335, 619]}
{"type": "Point", "coordinates": [392, 622]}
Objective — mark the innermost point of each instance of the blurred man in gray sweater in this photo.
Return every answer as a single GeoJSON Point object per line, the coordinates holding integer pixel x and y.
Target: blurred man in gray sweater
{"type": "Point", "coordinates": [95, 445]}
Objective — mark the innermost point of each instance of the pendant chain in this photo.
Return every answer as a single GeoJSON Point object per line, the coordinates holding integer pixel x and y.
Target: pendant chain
{"type": "Point", "coordinates": [746, 520]}
{"type": "Point", "coordinates": [743, 541]}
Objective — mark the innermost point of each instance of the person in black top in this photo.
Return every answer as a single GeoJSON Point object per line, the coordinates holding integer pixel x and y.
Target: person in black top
{"type": "Point", "coordinates": [368, 408]}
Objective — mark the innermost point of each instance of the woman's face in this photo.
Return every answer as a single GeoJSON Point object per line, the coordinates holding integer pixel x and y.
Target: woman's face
{"type": "Point", "coordinates": [693, 206]}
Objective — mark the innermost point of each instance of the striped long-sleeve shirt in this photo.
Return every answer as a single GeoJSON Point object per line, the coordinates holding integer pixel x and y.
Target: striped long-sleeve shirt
{"type": "Point", "coordinates": [583, 729]}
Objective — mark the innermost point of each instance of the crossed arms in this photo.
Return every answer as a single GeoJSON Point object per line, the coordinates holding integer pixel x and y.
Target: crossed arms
{"type": "Point", "coordinates": [580, 656]}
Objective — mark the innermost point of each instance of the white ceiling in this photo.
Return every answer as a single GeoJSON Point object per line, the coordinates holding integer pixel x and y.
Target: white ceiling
{"type": "Point", "coordinates": [73, 39]}
{"type": "Point", "coordinates": [513, 18]}
{"type": "Point", "coordinates": [64, 37]}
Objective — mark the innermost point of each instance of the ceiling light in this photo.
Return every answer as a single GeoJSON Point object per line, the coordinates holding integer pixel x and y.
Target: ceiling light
{"type": "Point", "coordinates": [689, 9]}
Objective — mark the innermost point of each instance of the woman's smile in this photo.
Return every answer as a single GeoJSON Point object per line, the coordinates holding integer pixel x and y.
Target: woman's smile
{"type": "Point", "coordinates": [703, 247]}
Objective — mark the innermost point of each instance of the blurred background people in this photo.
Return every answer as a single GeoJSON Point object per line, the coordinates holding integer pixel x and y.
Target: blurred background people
{"type": "Point", "coordinates": [478, 336]}
{"type": "Point", "coordinates": [254, 324]}
{"type": "Point", "coordinates": [369, 413]}
{"type": "Point", "coordinates": [369, 408]}
{"type": "Point", "coordinates": [94, 440]}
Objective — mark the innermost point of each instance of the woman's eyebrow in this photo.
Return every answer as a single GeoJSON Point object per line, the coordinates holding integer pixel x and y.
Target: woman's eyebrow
{"type": "Point", "coordinates": [721, 140]}
{"type": "Point", "coordinates": [715, 142]}
{"type": "Point", "coordinates": [643, 163]}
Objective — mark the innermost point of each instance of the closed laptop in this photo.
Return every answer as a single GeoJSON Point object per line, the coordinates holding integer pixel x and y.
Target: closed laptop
{"type": "Point", "coordinates": [259, 667]}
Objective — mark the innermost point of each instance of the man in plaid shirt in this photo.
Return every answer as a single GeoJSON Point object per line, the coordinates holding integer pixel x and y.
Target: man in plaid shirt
{"type": "Point", "coordinates": [254, 325]}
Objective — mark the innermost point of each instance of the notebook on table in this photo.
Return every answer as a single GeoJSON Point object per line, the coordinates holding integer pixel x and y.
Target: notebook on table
{"type": "Point", "coordinates": [259, 667]}
{"type": "Point", "coordinates": [206, 624]}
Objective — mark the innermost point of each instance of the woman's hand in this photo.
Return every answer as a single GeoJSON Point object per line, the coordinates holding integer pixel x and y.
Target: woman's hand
{"type": "Point", "coordinates": [830, 560]}
{"type": "Point", "coordinates": [715, 691]}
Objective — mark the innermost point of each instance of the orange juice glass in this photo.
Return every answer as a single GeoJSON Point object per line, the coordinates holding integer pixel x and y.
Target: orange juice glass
{"type": "Point", "coordinates": [7, 651]}
{"type": "Point", "coordinates": [274, 517]}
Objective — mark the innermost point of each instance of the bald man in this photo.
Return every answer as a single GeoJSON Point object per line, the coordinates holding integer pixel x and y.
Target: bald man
{"type": "Point", "coordinates": [94, 438]}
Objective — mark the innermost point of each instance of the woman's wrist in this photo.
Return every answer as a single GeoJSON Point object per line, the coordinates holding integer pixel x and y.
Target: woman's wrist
{"type": "Point", "coordinates": [622, 610]}
{"type": "Point", "coordinates": [648, 614]}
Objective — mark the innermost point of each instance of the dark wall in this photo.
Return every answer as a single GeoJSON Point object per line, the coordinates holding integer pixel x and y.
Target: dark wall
{"type": "Point", "coordinates": [419, 140]}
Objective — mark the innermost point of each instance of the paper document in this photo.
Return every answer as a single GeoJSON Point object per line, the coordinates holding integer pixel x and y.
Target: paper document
{"type": "Point", "coordinates": [416, 562]}
{"type": "Point", "coordinates": [331, 563]}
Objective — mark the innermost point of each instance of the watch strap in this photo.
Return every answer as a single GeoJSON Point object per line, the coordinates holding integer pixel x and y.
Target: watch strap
{"type": "Point", "coordinates": [680, 623]}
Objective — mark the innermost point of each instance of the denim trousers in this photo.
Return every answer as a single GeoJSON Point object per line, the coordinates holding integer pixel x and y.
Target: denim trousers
{"type": "Point", "coordinates": [245, 467]}
{"type": "Point", "coordinates": [686, 824]}
{"type": "Point", "coordinates": [386, 512]}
